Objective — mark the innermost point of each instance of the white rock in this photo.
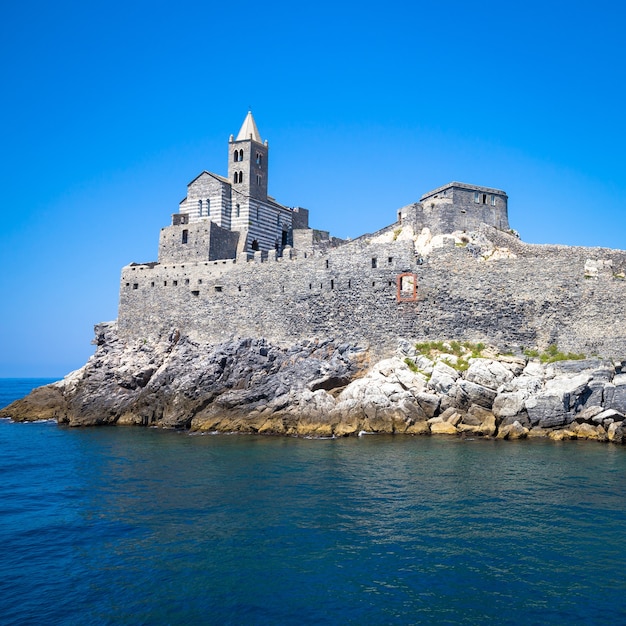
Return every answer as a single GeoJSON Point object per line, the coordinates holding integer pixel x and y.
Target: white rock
{"type": "Point", "coordinates": [488, 373]}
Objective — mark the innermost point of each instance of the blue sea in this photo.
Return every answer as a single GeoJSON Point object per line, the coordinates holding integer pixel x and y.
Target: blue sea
{"type": "Point", "coordinates": [141, 526]}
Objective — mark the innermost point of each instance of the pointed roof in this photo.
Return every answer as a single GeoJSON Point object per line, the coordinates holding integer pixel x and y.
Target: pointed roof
{"type": "Point", "coordinates": [249, 130]}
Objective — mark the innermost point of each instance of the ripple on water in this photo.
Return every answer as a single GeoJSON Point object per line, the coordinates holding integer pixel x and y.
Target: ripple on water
{"type": "Point", "coordinates": [145, 526]}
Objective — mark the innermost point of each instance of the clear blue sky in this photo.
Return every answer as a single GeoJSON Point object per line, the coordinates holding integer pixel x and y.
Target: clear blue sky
{"type": "Point", "coordinates": [108, 110]}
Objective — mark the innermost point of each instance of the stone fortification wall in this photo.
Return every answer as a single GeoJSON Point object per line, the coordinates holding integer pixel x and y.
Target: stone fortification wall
{"type": "Point", "coordinates": [536, 299]}
{"type": "Point", "coordinates": [196, 242]}
{"type": "Point", "coordinates": [350, 292]}
{"type": "Point", "coordinates": [546, 294]}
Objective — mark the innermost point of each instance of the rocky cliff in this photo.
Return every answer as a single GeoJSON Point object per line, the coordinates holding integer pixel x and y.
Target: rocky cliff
{"type": "Point", "coordinates": [325, 388]}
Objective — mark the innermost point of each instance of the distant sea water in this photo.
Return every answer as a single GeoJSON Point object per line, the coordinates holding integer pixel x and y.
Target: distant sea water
{"type": "Point", "coordinates": [143, 526]}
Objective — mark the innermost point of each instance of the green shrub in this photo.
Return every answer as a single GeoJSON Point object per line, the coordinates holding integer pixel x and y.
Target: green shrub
{"type": "Point", "coordinates": [411, 363]}
{"type": "Point", "coordinates": [552, 354]}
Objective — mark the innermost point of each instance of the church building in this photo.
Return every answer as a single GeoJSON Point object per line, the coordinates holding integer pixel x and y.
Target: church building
{"type": "Point", "coordinates": [221, 218]}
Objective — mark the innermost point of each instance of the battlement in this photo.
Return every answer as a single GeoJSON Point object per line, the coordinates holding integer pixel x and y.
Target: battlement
{"type": "Point", "coordinates": [236, 263]}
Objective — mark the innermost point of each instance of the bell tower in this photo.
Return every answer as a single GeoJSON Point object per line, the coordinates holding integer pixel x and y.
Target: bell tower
{"type": "Point", "coordinates": [247, 162]}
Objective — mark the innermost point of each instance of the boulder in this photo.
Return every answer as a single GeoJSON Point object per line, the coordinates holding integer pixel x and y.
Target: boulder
{"type": "Point", "coordinates": [476, 415]}
{"type": "Point", "coordinates": [615, 394]}
{"type": "Point", "coordinates": [561, 434]}
{"type": "Point", "coordinates": [477, 394]}
{"type": "Point", "coordinates": [587, 431]}
{"type": "Point", "coordinates": [515, 364]}
{"type": "Point", "coordinates": [418, 428]}
{"type": "Point", "coordinates": [488, 426]}
{"type": "Point", "coordinates": [512, 431]}
{"type": "Point", "coordinates": [443, 377]}
{"type": "Point", "coordinates": [522, 418]}
{"type": "Point", "coordinates": [443, 428]}
{"type": "Point", "coordinates": [508, 404]}
{"type": "Point", "coordinates": [616, 432]}
{"type": "Point", "coordinates": [537, 433]}
{"type": "Point", "coordinates": [488, 373]}
{"type": "Point", "coordinates": [547, 411]}
{"type": "Point", "coordinates": [609, 414]}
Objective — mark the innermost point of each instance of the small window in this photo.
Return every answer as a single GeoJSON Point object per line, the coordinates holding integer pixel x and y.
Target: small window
{"type": "Point", "coordinates": [135, 285]}
{"type": "Point", "coordinates": [238, 287]}
{"type": "Point", "coordinates": [374, 262]}
{"type": "Point", "coordinates": [236, 156]}
{"type": "Point", "coordinates": [349, 284]}
{"type": "Point", "coordinates": [175, 283]}
{"type": "Point", "coordinates": [255, 245]}
{"type": "Point", "coordinates": [185, 236]}
{"type": "Point", "coordinates": [238, 210]}
{"type": "Point", "coordinates": [493, 200]}
{"type": "Point", "coordinates": [332, 284]}
{"type": "Point", "coordinates": [326, 263]}
{"type": "Point", "coordinates": [165, 283]}
{"type": "Point", "coordinates": [390, 260]}
{"type": "Point", "coordinates": [200, 208]}
{"type": "Point", "coordinates": [218, 288]}
{"type": "Point", "coordinates": [195, 292]}
{"type": "Point", "coordinates": [484, 198]}
{"type": "Point", "coordinates": [186, 281]}
{"type": "Point", "coordinates": [258, 179]}
{"type": "Point", "coordinates": [208, 207]}
{"type": "Point", "coordinates": [128, 284]}
{"type": "Point", "coordinates": [152, 284]}
{"type": "Point", "coordinates": [199, 281]}
{"type": "Point", "coordinates": [240, 156]}
{"type": "Point", "coordinates": [476, 197]}
{"type": "Point", "coordinates": [259, 158]}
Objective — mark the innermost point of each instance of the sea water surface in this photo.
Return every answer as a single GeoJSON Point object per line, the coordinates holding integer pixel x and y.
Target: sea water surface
{"type": "Point", "coordinates": [142, 526]}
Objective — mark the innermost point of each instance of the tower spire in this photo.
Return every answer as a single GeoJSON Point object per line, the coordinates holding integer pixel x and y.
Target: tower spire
{"type": "Point", "coordinates": [249, 130]}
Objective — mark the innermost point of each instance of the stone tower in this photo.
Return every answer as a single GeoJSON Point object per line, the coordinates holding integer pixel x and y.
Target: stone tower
{"type": "Point", "coordinates": [247, 162]}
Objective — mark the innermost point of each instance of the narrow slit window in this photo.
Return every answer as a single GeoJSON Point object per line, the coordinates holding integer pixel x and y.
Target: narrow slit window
{"type": "Point", "coordinates": [374, 262]}
{"type": "Point", "coordinates": [185, 236]}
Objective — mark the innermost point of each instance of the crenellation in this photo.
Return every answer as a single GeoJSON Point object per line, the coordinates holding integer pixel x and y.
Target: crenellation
{"type": "Point", "coordinates": [267, 274]}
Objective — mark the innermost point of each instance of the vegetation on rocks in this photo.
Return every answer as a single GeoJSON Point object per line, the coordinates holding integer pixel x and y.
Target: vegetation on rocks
{"type": "Point", "coordinates": [322, 388]}
{"type": "Point", "coordinates": [552, 354]}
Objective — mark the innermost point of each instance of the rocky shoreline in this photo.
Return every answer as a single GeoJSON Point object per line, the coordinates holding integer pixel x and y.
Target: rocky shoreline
{"type": "Point", "coordinates": [321, 388]}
